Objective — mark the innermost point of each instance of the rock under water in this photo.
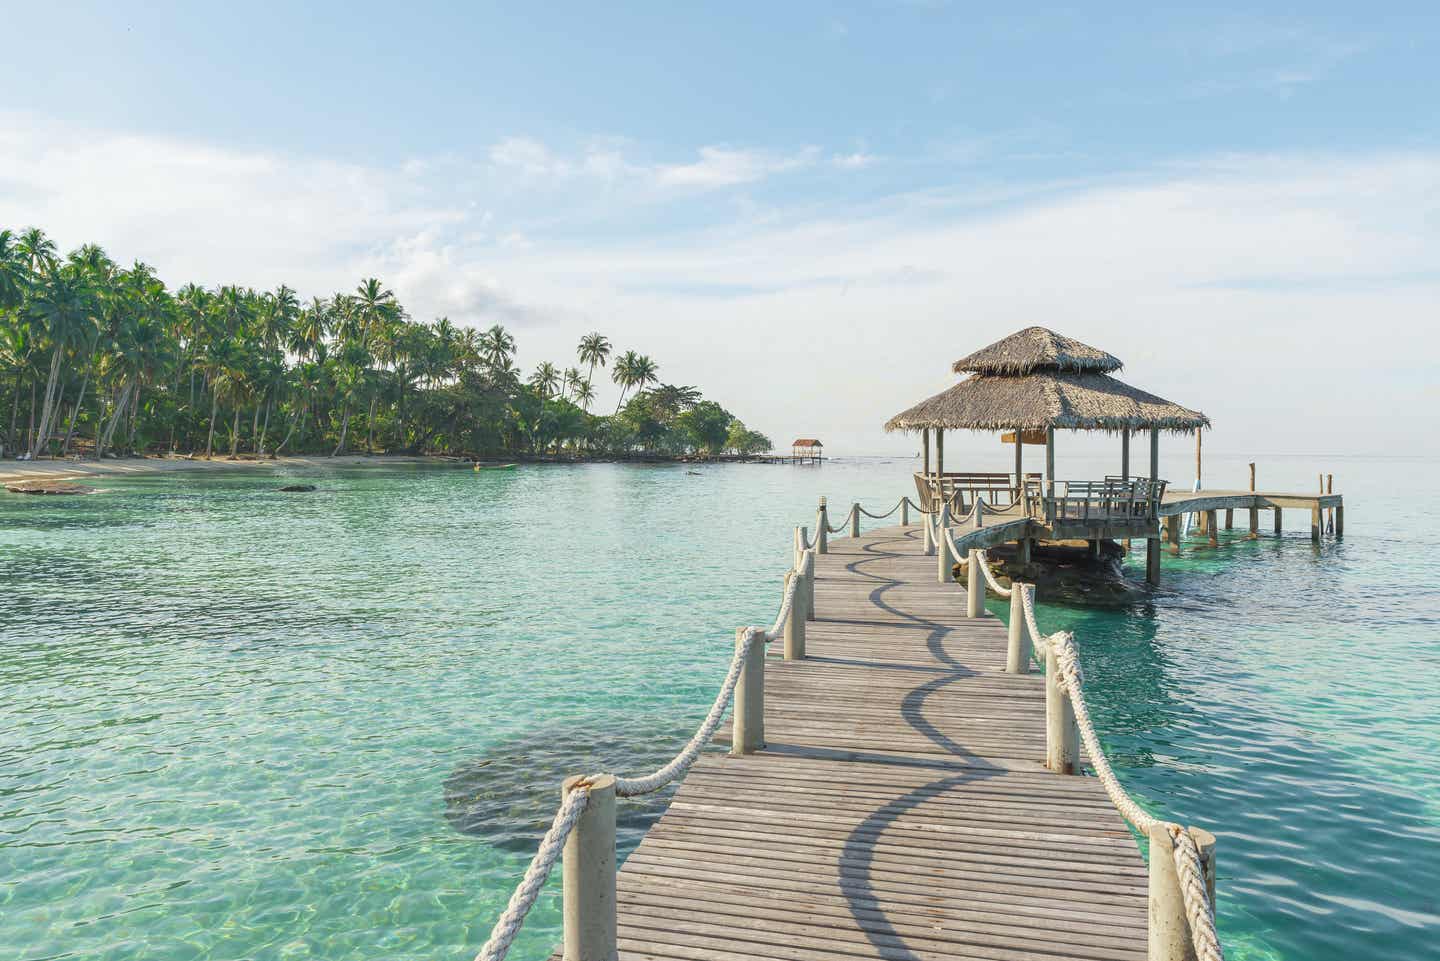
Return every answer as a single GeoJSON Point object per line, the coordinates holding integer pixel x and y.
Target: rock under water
{"type": "Point", "coordinates": [296, 488]}
{"type": "Point", "coordinates": [49, 488]}
{"type": "Point", "coordinates": [509, 795]}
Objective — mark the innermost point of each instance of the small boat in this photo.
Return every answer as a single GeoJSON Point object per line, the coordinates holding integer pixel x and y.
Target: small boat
{"type": "Point", "coordinates": [494, 466]}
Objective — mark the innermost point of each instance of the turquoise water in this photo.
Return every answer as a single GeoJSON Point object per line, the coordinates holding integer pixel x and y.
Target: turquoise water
{"type": "Point", "coordinates": [241, 724]}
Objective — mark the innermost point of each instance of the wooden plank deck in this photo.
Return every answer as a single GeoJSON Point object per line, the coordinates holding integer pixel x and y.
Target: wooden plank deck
{"type": "Point", "coordinates": [901, 809]}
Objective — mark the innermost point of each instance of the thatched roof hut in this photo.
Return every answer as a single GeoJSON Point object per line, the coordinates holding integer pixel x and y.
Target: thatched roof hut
{"type": "Point", "coordinates": [1037, 379]}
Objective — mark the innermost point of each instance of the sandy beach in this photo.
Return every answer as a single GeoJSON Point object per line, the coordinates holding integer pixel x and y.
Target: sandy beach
{"type": "Point", "coordinates": [47, 470]}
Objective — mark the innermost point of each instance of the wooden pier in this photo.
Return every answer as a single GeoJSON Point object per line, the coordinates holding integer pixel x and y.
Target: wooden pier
{"type": "Point", "coordinates": [900, 808]}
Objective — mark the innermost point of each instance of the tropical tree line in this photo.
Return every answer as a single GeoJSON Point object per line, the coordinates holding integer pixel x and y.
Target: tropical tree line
{"type": "Point", "coordinates": [102, 360]}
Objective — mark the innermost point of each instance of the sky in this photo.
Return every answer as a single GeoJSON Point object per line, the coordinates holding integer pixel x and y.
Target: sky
{"type": "Point", "coordinates": [807, 210]}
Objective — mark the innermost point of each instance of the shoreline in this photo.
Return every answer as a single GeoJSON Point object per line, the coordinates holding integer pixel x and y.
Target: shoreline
{"type": "Point", "coordinates": [12, 471]}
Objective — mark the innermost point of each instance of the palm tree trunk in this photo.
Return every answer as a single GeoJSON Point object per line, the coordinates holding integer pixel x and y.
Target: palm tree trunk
{"type": "Point", "coordinates": [42, 435]}
{"type": "Point", "coordinates": [210, 441]}
{"type": "Point", "coordinates": [75, 413]}
{"type": "Point", "coordinates": [15, 408]}
{"type": "Point", "coordinates": [255, 427]}
{"type": "Point", "coordinates": [370, 427]}
{"type": "Point", "coordinates": [235, 433]}
{"type": "Point", "coordinates": [344, 428]}
{"type": "Point", "coordinates": [134, 416]}
{"type": "Point", "coordinates": [30, 427]}
{"type": "Point", "coordinates": [121, 406]}
{"type": "Point", "coordinates": [297, 419]}
{"type": "Point", "coordinates": [260, 447]}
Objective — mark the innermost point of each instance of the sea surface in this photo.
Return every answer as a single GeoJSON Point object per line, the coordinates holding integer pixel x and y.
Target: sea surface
{"type": "Point", "coordinates": [239, 724]}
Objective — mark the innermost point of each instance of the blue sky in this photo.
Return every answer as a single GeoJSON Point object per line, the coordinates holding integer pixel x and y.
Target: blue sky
{"type": "Point", "coordinates": [727, 186]}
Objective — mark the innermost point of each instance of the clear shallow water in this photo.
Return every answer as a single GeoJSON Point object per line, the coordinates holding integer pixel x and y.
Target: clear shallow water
{"type": "Point", "coordinates": [240, 724]}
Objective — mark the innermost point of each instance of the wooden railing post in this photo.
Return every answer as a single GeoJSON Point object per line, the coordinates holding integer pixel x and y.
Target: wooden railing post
{"type": "Point", "coordinates": [855, 519]}
{"type": "Point", "coordinates": [588, 869]}
{"type": "Point", "coordinates": [927, 527]}
{"type": "Point", "coordinates": [975, 586]}
{"type": "Point", "coordinates": [822, 535]}
{"type": "Point", "coordinates": [1062, 735]}
{"type": "Point", "coordinates": [1169, 927]}
{"type": "Point", "coordinates": [944, 562]}
{"type": "Point", "coordinates": [749, 710]}
{"type": "Point", "coordinates": [795, 622]}
{"type": "Point", "coordinates": [905, 512]}
{"type": "Point", "coordinates": [809, 569]}
{"type": "Point", "coordinates": [1017, 651]}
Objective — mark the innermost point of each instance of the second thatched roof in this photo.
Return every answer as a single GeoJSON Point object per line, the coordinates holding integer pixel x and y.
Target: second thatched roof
{"type": "Point", "coordinates": [1064, 399]}
{"type": "Point", "coordinates": [1036, 348]}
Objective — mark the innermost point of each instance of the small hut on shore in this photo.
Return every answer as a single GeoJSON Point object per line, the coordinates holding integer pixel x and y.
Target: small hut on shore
{"type": "Point", "coordinates": [1038, 381]}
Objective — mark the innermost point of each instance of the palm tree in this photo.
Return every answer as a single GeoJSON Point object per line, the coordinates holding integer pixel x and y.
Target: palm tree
{"type": "Point", "coordinates": [584, 395]}
{"type": "Point", "coordinates": [497, 346]}
{"type": "Point", "coordinates": [594, 349]}
{"type": "Point", "coordinates": [546, 379]}
{"type": "Point", "coordinates": [63, 309]}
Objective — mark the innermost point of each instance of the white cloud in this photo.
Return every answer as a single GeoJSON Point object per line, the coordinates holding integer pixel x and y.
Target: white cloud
{"type": "Point", "coordinates": [1248, 286]}
{"type": "Point", "coordinates": [852, 161]}
{"type": "Point", "coordinates": [726, 166]}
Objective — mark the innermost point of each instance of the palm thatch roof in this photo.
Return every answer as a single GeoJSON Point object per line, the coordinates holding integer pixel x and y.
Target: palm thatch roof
{"type": "Point", "coordinates": [1066, 399]}
{"type": "Point", "coordinates": [1036, 348]}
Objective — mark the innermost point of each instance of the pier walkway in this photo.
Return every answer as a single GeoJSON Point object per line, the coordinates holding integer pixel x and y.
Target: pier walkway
{"type": "Point", "coordinates": [900, 808]}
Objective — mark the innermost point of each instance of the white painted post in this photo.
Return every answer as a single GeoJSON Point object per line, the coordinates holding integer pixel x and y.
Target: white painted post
{"type": "Point", "coordinates": [1062, 734]}
{"type": "Point", "coordinates": [795, 623]}
{"type": "Point", "coordinates": [855, 519]}
{"type": "Point", "coordinates": [904, 512]}
{"type": "Point", "coordinates": [822, 533]}
{"type": "Point", "coordinates": [1169, 927]}
{"type": "Point", "coordinates": [975, 595]}
{"type": "Point", "coordinates": [749, 710]}
{"type": "Point", "coordinates": [588, 870]}
{"type": "Point", "coordinates": [1017, 651]}
{"type": "Point", "coordinates": [797, 546]}
{"type": "Point", "coordinates": [927, 526]}
{"type": "Point", "coordinates": [942, 546]}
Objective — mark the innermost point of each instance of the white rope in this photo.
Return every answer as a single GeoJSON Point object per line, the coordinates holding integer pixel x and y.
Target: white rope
{"type": "Point", "coordinates": [536, 874]}
{"type": "Point", "coordinates": [990, 577]}
{"type": "Point", "coordinates": [960, 557]}
{"type": "Point", "coordinates": [1198, 909]}
{"type": "Point", "coordinates": [680, 763]}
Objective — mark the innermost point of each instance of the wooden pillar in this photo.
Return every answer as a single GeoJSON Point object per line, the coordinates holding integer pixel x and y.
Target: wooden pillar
{"type": "Point", "coordinates": [1049, 461]}
{"type": "Point", "coordinates": [1062, 735]}
{"type": "Point", "coordinates": [925, 445]}
{"type": "Point", "coordinates": [1169, 937]}
{"type": "Point", "coordinates": [1315, 522]}
{"type": "Point", "coordinates": [1172, 532]}
{"type": "Point", "coordinates": [587, 869]}
{"type": "Point", "coordinates": [1152, 560]}
{"type": "Point", "coordinates": [1125, 455]}
{"type": "Point", "coordinates": [748, 713]}
{"type": "Point", "coordinates": [1254, 511]}
{"type": "Point", "coordinates": [1277, 522]}
{"type": "Point", "coordinates": [1198, 484]}
{"type": "Point", "coordinates": [1024, 548]}
{"type": "Point", "coordinates": [1330, 489]}
{"type": "Point", "coordinates": [795, 622]}
{"type": "Point", "coordinates": [1212, 528]}
{"type": "Point", "coordinates": [1017, 650]}
{"type": "Point", "coordinates": [1340, 520]}
{"type": "Point", "coordinates": [940, 461]}
{"type": "Point", "coordinates": [1019, 463]}
{"type": "Point", "coordinates": [975, 585]}
{"type": "Point", "coordinates": [1229, 518]}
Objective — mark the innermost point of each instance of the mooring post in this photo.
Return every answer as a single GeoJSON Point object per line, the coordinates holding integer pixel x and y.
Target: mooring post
{"type": "Point", "coordinates": [822, 532]}
{"type": "Point", "coordinates": [1152, 560]}
{"type": "Point", "coordinates": [795, 622]}
{"type": "Point", "coordinates": [944, 562]}
{"type": "Point", "coordinates": [1277, 522]}
{"type": "Point", "coordinates": [1229, 518]}
{"type": "Point", "coordinates": [588, 872]}
{"type": "Point", "coordinates": [1212, 528]}
{"type": "Point", "coordinates": [1315, 522]}
{"type": "Point", "coordinates": [1254, 510]}
{"type": "Point", "coordinates": [1062, 734]}
{"type": "Point", "coordinates": [855, 519]}
{"type": "Point", "coordinates": [1017, 650]}
{"type": "Point", "coordinates": [749, 730]}
{"type": "Point", "coordinates": [809, 569]}
{"type": "Point", "coordinates": [1340, 520]}
{"type": "Point", "coordinates": [1172, 532]}
{"type": "Point", "coordinates": [904, 512]}
{"type": "Point", "coordinates": [1330, 489]}
{"type": "Point", "coordinates": [1169, 927]}
{"type": "Point", "coordinates": [975, 585]}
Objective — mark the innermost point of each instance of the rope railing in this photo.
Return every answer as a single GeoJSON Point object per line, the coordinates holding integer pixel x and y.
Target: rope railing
{"type": "Point", "coordinates": [1190, 870]}
{"type": "Point", "coordinates": [577, 797]}
{"type": "Point", "coordinates": [880, 517]}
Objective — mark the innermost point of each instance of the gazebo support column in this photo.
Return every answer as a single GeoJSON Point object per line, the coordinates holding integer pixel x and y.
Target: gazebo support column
{"type": "Point", "coordinates": [1152, 544]}
{"type": "Point", "coordinates": [1049, 462]}
{"type": "Point", "coordinates": [1019, 464]}
{"type": "Point", "coordinates": [940, 464]}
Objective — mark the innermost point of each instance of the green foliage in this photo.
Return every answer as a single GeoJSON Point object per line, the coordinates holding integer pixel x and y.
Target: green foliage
{"type": "Point", "coordinates": [99, 358]}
